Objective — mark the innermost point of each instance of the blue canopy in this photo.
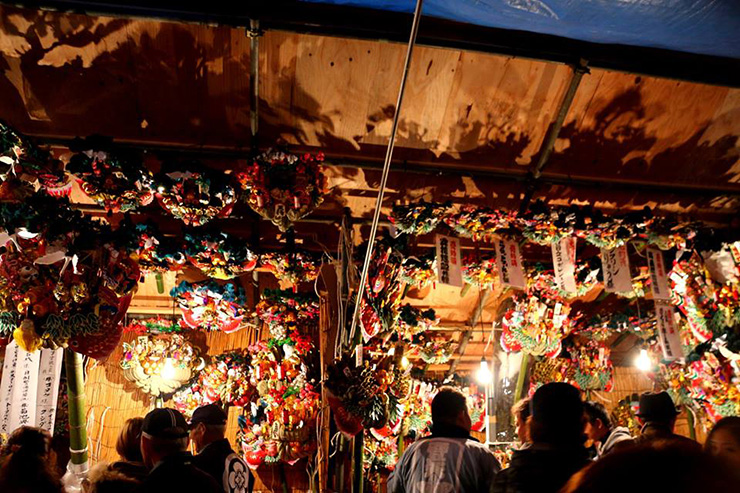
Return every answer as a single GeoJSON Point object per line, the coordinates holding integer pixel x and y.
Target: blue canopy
{"type": "Point", "coordinates": [707, 27]}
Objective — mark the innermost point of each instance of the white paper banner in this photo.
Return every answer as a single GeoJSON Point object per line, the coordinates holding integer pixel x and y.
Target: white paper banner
{"type": "Point", "coordinates": [658, 277]}
{"type": "Point", "coordinates": [564, 261]}
{"type": "Point", "coordinates": [509, 262]}
{"type": "Point", "coordinates": [50, 371]}
{"type": "Point", "coordinates": [670, 340]}
{"type": "Point", "coordinates": [12, 351]}
{"type": "Point", "coordinates": [23, 411]}
{"type": "Point", "coordinates": [449, 261]}
{"type": "Point", "coordinates": [616, 265]}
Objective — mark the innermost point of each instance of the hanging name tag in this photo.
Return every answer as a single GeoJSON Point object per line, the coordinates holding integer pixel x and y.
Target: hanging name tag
{"type": "Point", "coordinates": [564, 261]}
{"type": "Point", "coordinates": [616, 265]}
{"type": "Point", "coordinates": [12, 352]}
{"type": "Point", "coordinates": [658, 277]}
{"type": "Point", "coordinates": [449, 261]}
{"type": "Point", "coordinates": [509, 262]}
{"type": "Point", "coordinates": [670, 339]}
{"type": "Point", "coordinates": [23, 411]}
{"type": "Point", "coordinates": [50, 371]}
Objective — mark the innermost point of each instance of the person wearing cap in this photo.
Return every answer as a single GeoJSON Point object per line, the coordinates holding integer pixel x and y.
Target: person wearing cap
{"type": "Point", "coordinates": [658, 415]}
{"type": "Point", "coordinates": [214, 453]}
{"type": "Point", "coordinates": [601, 430]}
{"type": "Point", "coordinates": [556, 425]}
{"type": "Point", "coordinates": [164, 444]}
{"type": "Point", "coordinates": [448, 460]}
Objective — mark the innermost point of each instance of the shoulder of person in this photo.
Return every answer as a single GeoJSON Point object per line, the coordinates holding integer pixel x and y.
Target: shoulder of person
{"type": "Point", "coordinates": [236, 474]}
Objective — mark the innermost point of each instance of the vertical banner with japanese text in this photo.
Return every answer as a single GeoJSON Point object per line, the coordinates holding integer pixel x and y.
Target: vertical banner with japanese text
{"type": "Point", "coordinates": [564, 262]}
{"type": "Point", "coordinates": [658, 276]}
{"type": "Point", "coordinates": [509, 263]}
{"type": "Point", "coordinates": [616, 265]}
{"type": "Point", "coordinates": [449, 260]}
{"type": "Point", "coordinates": [12, 352]}
{"type": "Point", "coordinates": [668, 335]}
{"type": "Point", "coordinates": [50, 371]}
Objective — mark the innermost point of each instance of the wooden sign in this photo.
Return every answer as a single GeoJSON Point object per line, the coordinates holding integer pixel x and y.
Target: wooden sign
{"type": "Point", "coordinates": [616, 266]}
{"type": "Point", "coordinates": [564, 261]}
{"type": "Point", "coordinates": [509, 263]}
{"type": "Point", "coordinates": [449, 260]}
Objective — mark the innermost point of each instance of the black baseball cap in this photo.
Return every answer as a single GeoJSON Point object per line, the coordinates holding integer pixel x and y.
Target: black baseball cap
{"type": "Point", "coordinates": [210, 414]}
{"type": "Point", "coordinates": [165, 423]}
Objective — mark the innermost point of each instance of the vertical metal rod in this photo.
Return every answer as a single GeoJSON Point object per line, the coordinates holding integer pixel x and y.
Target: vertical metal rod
{"type": "Point", "coordinates": [254, 79]}
{"type": "Point", "coordinates": [386, 164]}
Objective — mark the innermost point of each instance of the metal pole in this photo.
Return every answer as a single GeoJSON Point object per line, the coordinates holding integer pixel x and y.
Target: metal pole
{"type": "Point", "coordinates": [386, 164]}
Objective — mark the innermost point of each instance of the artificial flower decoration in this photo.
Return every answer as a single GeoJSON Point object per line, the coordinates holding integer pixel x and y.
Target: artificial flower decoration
{"type": "Point", "coordinates": [434, 349]}
{"type": "Point", "coordinates": [295, 267]}
{"type": "Point", "coordinates": [535, 327]}
{"type": "Point", "coordinates": [419, 271]}
{"type": "Point", "coordinates": [156, 252]}
{"type": "Point", "coordinates": [156, 325]}
{"type": "Point", "coordinates": [21, 159]}
{"type": "Point", "coordinates": [225, 380]}
{"type": "Point", "coordinates": [211, 306]}
{"type": "Point", "coordinates": [419, 218]}
{"type": "Point", "coordinates": [160, 364]}
{"type": "Point", "coordinates": [413, 321]}
{"type": "Point", "coordinates": [283, 187]}
{"type": "Point", "coordinates": [195, 194]}
{"type": "Point", "coordinates": [117, 181]}
{"type": "Point", "coordinates": [284, 312]}
{"type": "Point", "coordinates": [219, 255]}
{"type": "Point", "coordinates": [480, 271]}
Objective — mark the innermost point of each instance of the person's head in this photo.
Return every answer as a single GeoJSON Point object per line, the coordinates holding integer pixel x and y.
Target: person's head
{"type": "Point", "coordinates": [207, 425]}
{"type": "Point", "coordinates": [598, 422]}
{"type": "Point", "coordinates": [557, 415]}
{"type": "Point", "coordinates": [128, 444]}
{"type": "Point", "coordinates": [450, 407]}
{"type": "Point", "coordinates": [26, 463]}
{"type": "Point", "coordinates": [657, 408]}
{"type": "Point", "coordinates": [724, 441]}
{"type": "Point", "coordinates": [103, 478]}
{"type": "Point", "coordinates": [658, 465]}
{"type": "Point", "coordinates": [164, 432]}
{"type": "Point", "coordinates": [520, 411]}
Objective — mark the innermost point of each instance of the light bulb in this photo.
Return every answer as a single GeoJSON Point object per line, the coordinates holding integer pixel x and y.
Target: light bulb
{"type": "Point", "coordinates": [643, 362]}
{"type": "Point", "coordinates": [484, 374]}
{"type": "Point", "coordinates": [405, 362]}
{"type": "Point", "coordinates": [168, 370]}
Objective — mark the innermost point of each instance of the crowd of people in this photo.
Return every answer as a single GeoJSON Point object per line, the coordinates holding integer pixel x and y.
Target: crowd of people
{"type": "Point", "coordinates": [570, 446]}
{"type": "Point", "coordinates": [153, 457]}
{"type": "Point", "coordinates": [566, 445]}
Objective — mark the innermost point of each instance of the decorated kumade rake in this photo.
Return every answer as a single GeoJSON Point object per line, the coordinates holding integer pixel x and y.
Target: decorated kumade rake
{"type": "Point", "coordinates": [219, 255]}
{"type": "Point", "coordinates": [283, 187]}
{"type": "Point", "coordinates": [212, 306]}
{"type": "Point", "coordinates": [295, 267]}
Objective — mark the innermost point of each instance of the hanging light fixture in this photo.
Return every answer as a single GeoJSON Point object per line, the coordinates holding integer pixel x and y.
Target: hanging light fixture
{"type": "Point", "coordinates": [643, 361]}
{"type": "Point", "coordinates": [168, 371]}
{"type": "Point", "coordinates": [484, 373]}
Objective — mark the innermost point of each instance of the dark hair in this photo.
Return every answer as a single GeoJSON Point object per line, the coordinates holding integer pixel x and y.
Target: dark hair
{"type": "Point", "coordinates": [448, 404]}
{"type": "Point", "coordinates": [128, 444]}
{"type": "Point", "coordinates": [26, 466]}
{"type": "Point", "coordinates": [521, 409]}
{"type": "Point", "coordinates": [730, 424]}
{"type": "Point", "coordinates": [557, 415]}
{"type": "Point", "coordinates": [687, 470]}
{"type": "Point", "coordinates": [594, 411]}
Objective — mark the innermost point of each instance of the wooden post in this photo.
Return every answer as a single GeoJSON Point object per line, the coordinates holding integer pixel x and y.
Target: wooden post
{"type": "Point", "coordinates": [76, 404]}
{"type": "Point", "coordinates": [357, 463]}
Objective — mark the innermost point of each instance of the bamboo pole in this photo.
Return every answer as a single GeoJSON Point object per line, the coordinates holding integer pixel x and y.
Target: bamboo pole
{"type": "Point", "coordinates": [77, 431]}
{"type": "Point", "coordinates": [521, 377]}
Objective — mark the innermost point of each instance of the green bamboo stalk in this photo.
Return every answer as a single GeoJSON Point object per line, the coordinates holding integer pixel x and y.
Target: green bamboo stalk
{"type": "Point", "coordinates": [692, 424]}
{"type": "Point", "coordinates": [76, 405]}
{"type": "Point", "coordinates": [521, 377]}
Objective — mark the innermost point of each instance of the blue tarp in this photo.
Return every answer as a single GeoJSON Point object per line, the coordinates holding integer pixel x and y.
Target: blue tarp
{"type": "Point", "coordinates": [708, 27]}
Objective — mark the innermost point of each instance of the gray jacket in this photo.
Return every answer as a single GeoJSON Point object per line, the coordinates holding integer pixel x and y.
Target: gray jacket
{"type": "Point", "coordinates": [618, 435]}
{"type": "Point", "coordinates": [446, 462]}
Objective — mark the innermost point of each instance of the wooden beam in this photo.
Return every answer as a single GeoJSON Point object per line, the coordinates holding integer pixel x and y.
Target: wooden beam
{"type": "Point", "coordinates": [477, 313]}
